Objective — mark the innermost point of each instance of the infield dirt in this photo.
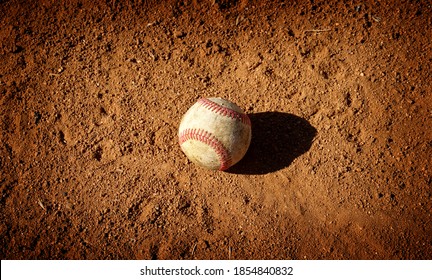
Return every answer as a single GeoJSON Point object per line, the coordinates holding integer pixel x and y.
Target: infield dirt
{"type": "Point", "coordinates": [339, 95]}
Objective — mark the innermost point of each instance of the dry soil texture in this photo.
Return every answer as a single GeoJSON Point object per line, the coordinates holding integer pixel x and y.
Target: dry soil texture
{"type": "Point", "coordinates": [338, 92]}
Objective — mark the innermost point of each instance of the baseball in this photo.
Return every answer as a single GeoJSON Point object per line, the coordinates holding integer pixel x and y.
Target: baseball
{"type": "Point", "coordinates": [215, 133]}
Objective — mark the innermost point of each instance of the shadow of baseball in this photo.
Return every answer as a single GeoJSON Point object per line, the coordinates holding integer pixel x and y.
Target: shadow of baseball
{"type": "Point", "coordinates": [277, 139]}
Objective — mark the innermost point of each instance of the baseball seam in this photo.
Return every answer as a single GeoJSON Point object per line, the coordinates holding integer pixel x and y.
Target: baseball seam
{"type": "Point", "coordinates": [208, 139]}
{"type": "Point", "coordinates": [218, 109]}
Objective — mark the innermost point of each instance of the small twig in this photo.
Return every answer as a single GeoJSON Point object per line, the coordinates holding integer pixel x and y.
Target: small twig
{"type": "Point", "coordinates": [376, 18]}
{"type": "Point", "coordinates": [239, 19]}
{"type": "Point", "coordinates": [318, 30]}
{"type": "Point", "coordinates": [152, 23]}
{"type": "Point", "coordinates": [41, 205]}
{"type": "Point", "coordinates": [152, 55]}
{"type": "Point", "coordinates": [193, 249]}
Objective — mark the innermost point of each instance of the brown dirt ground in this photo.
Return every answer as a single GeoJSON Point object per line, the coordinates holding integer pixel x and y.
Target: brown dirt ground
{"type": "Point", "coordinates": [339, 94]}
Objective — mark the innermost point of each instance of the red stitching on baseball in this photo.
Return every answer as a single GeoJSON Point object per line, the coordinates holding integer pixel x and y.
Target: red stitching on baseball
{"type": "Point", "coordinates": [209, 139]}
{"type": "Point", "coordinates": [213, 106]}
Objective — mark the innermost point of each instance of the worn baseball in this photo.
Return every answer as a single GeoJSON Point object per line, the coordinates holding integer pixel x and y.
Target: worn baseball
{"type": "Point", "coordinates": [215, 133]}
